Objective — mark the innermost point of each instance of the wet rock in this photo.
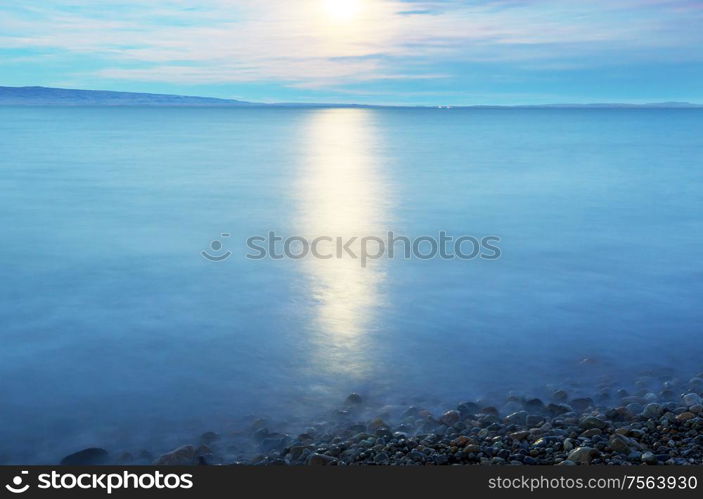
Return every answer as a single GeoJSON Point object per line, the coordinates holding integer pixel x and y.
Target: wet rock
{"type": "Point", "coordinates": [450, 417]}
{"type": "Point", "coordinates": [592, 422]}
{"type": "Point", "coordinates": [520, 435]}
{"type": "Point", "coordinates": [558, 409]}
{"type": "Point", "coordinates": [376, 424]}
{"type": "Point", "coordinates": [592, 433]}
{"type": "Point", "coordinates": [467, 409]}
{"type": "Point", "coordinates": [685, 416]}
{"type": "Point", "coordinates": [648, 458]}
{"type": "Point", "coordinates": [533, 420]}
{"type": "Point", "coordinates": [534, 406]}
{"type": "Point", "coordinates": [583, 455]}
{"type": "Point", "coordinates": [490, 410]}
{"type": "Point", "coordinates": [692, 399]}
{"type": "Point", "coordinates": [354, 399]}
{"type": "Point", "coordinates": [87, 457]}
{"type": "Point", "coordinates": [653, 410]}
{"type": "Point", "coordinates": [517, 418]}
{"type": "Point", "coordinates": [618, 414]}
{"type": "Point", "coordinates": [568, 445]}
{"type": "Point", "coordinates": [622, 444]}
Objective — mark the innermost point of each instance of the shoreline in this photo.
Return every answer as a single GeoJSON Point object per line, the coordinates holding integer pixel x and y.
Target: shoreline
{"type": "Point", "coordinates": [661, 423]}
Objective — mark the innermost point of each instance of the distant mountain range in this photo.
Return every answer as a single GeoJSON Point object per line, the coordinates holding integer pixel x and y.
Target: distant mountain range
{"type": "Point", "coordinates": [46, 96]}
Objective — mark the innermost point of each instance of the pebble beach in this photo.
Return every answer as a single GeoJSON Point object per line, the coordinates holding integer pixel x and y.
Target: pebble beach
{"type": "Point", "coordinates": [660, 423]}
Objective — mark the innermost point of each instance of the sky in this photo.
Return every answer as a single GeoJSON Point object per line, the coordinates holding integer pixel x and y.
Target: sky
{"type": "Point", "coordinates": [448, 52]}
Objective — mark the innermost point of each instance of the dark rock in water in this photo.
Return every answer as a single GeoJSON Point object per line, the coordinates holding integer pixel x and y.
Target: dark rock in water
{"type": "Point", "coordinates": [533, 420]}
{"type": "Point", "coordinates": [692, 399]}
{"type": "Point", "coordinates": [450, 417]}
{"type": "Point", "coordinates": [354, 399]}
{"type": "Point", "coordinates": [87, 457]}
{"type": "Point", "coordinates": [622, 444]}
{"type": "Point", "coordinates": [619, 414]}
{"type": "Point", "coordinates": [518, 418]}
{"type": "Point", "coordinates": [592, 433]}
{"type": "Point", "coordinates": [490, 410]}
{"type": "Point", "coordinates": [592, 422]}
{"type": "Point", "coordinates": [583, 455]}
{"type": "Point", "coordinates": [581, 404]}
{"type": "Point", "coordinates": [652, 410]}
{"type": "Point", "coordinates": [534, 405]}
{"type": "Point", "coordinates": [558, 409]}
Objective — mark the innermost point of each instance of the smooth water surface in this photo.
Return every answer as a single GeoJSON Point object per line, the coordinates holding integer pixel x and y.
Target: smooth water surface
{"type": "Point", "coordinates": [115, 327]}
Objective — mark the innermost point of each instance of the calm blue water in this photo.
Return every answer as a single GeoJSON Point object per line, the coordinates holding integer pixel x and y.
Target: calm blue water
{"type": "Point", "coordinates": [115, 330]}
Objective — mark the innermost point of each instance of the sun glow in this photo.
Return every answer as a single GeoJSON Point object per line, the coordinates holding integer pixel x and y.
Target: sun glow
{"type": "Point", "coordinates": [342, 10]}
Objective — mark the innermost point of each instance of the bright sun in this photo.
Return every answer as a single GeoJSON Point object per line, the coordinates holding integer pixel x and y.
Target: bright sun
{"type": "Point", "coordinates": [342, 10]}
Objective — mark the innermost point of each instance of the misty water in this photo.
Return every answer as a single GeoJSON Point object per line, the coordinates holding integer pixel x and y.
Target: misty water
{"type": "Point", "coordinates": [116, 332]}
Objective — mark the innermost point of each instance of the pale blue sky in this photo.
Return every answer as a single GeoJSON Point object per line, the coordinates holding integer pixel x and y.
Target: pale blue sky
{"type": "Point", "coordinates": [367, 51]}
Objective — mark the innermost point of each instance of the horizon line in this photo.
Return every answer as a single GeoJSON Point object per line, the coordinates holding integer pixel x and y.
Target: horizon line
{"type": "Point", "coordinates": [232, 101]}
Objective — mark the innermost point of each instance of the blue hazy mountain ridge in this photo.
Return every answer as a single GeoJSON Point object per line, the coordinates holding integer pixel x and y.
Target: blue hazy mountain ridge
{"type": "Point", "coordinates": [46, 96]}
{"type": "Point", "coordinates": [49, 96]}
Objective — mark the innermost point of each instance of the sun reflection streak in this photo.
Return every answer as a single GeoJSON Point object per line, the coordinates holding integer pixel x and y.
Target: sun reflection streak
{"type": "Point", "coordinates": [341, 193]}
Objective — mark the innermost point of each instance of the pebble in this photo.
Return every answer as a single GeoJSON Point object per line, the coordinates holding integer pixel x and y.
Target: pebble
{"type": "Point", "coordinates": [639, 428]}
{"type": "Point", "coordinates": [593, 422]}
{"type": "Point", "coordinates": [518, 418]}
{"type": "Point", "coordinates": [582, 455]}
{"type": "Point", "coordinates": [652, 410]}
{"type": "Point", "coordinates": [354, 399]}
{"type": "Point", "coordinates": [450, 417]}
{"type": "Point", "coordinates": [692, 399]}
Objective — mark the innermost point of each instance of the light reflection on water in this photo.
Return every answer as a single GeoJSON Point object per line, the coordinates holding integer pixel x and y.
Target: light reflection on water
{"type": "Point", "coordinates": [342, 193]}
